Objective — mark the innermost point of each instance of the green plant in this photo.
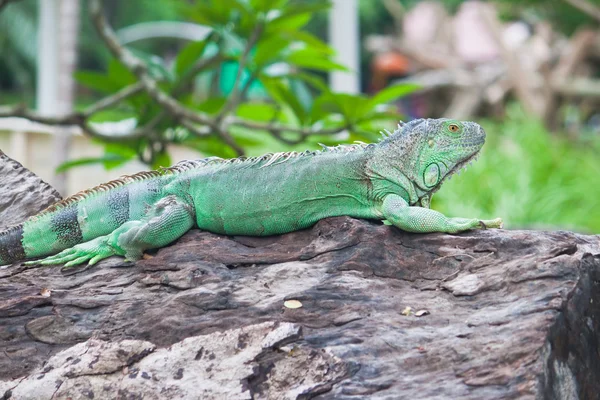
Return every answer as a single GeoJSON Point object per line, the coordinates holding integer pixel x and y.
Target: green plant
{"type": "Point", "coordinates": [274, 86]}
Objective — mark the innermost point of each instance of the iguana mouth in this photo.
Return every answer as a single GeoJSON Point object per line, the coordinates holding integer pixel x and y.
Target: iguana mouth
{"type": "Point", "coordinates": [462, 165]}
{"type": "Point", "coordinates": [458, 168]}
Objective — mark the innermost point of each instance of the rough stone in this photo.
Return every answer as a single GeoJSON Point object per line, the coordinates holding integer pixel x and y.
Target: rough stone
{"type": "Point", "coordinates": [22, 193]}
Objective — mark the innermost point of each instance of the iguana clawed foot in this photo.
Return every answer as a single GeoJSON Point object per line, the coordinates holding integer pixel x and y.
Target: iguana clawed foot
{"type": "Point", "coordinates": [92, 251]}
{"type": "Point", "coordinates": [491, 223]}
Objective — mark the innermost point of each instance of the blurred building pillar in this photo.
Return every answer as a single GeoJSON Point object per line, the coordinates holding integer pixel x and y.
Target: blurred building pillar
{"type": "Point", "coordinates": [47, 49]}
{"type": "Point", "coordinates": [345, 40]}
{"type": "Point", "coordinates": [57, 59]}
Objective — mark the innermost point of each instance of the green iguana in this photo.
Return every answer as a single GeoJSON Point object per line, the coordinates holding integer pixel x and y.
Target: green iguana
{"type": "Point", "coordinates": [391, 180]}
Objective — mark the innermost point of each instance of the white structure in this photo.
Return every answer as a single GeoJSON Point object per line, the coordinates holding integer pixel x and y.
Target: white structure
{"type": "Point", "coordinates": [57, 58]}
{"type": "Point", "coordinates": [345, 39]}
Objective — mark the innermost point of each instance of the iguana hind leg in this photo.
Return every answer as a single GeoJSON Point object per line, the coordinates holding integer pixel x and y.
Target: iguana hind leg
{"type": "Point", "coordinates": [165, 222]}
{"type": "Point", "coordinates": [418, 219]}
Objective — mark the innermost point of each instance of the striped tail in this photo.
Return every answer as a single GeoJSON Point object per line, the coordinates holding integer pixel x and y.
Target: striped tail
{"type": "Point", "coordinates": [88, 214]}
{"type": "Point", "coordinates": [11, 247]}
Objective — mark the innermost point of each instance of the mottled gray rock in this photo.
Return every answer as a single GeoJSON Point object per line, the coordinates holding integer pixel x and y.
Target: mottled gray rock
{"type": "Point", "coordinates": [22, 193]}
{"type": "Point", "coordinates": [219, 365]}
{"type": "Point", "coordinates": [504, 314]}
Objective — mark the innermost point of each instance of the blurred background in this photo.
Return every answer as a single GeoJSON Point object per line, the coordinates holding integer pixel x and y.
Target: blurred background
{"type": "Point", "coordinates": [91, 89]}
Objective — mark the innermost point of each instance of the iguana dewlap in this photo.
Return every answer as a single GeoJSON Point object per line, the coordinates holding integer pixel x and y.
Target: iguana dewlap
{"type": "Point", "coordinates": [391, 180]}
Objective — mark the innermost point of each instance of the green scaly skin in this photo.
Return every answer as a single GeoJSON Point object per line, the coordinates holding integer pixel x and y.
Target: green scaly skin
{"type": "Point", "coordinates": [392, 180]}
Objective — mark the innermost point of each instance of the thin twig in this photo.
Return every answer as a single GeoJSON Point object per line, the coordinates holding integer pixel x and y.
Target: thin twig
{"type": "Point", "coordinates": [74, 119]}
{"type": "Point", "coordinates": [196, 130]}
{"type": "Point", "coordinates": [80, 119]}
{"type": "Point", "coordinates": [113, 99]}
{"type": "Point", "coordinates": [21, 111]}
{"type": "Point", "coordinates": [135, 65]}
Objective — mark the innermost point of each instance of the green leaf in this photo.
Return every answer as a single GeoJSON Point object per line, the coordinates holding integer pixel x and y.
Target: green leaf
{"type": "Point", "coordinates": [119, 149]}
{"type": "Point", "coordinates": [392, 93]}
{"type": "Point", "coordinates": [210, 146]}
{"type": "Point", "coordinates": [119, 73]}
{"type": "Point", "coordinates": [293, 16]}
{"type": "Point", "coordinates": [97, 81]}
{"type": "Point", "coordinates": [90, 161]}
{"type": "Point", "coordinates": [323, 106]}
{"type": "Point", "coordinates": [313, 80]}
{"type": "Point", "coordinates": [362, 135]}
{"type": "Point", "coordinates": [247, 139]}
{"type": "Point", "coordinates": [269, 49]}
{"type": "Point", "coordinates": [385, 115]}
{"type": "Point", "coordinates": [283, 95]}
{"type": "Point", "coordinates": [288, 22]}
{"type": "Point", "coordinates": [247, 19]}
{"type": "Point", "coordinates": [210, 14]}
{"type": "Point", "coordinates": [313, 42]}
{"type": "Point", "coordinates": [267, 5]}
{"type": "Point", "coordinates": [161, 159]}
{"type": "Point", "coordinates": [212, 105]}
{"type": "Point", "coordinates": [257, 111]}
{"type": "Point", "coordinates": [295, 9]}
{"type": "Point", "coordinates": [352, 107]}
{"type": "Point", "coordinates": [188, 56]}
{"type": "Point", "coordinates": [308, 58]}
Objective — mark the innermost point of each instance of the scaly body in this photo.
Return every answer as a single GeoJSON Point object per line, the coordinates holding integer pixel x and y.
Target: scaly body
{"type": "Point", "coordinates": [392, 180]}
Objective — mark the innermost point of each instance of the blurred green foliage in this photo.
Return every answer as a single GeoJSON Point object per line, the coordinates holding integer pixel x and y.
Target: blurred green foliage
{"type": "Point", "coordinates": [530, 178]}
{"type": "Point", "coordinates": [280, 83]}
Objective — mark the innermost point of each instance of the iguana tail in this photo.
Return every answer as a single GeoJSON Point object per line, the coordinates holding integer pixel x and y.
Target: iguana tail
{"type": "Point", "coordinates": [90, 214]}
{"type": "Point", "coordinates": [11, 248]}
{"type": "Point", "coordinates": [81, 217]}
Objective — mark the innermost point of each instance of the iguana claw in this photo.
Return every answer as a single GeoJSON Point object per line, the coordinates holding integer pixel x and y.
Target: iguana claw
{"type": "Point", "coordinates": [491, 223]}
{"type": "Point", "coordinates": [91, 252]}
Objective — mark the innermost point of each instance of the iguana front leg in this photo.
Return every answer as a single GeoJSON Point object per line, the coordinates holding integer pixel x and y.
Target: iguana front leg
{"type": "Point", "coordinates": [421, 220]}
{"type": "Point", "coordinates": [165, 222]}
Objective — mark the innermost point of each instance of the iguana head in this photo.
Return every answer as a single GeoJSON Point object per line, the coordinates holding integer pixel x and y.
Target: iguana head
{"type": "Point", "coordinates": [428, 151]}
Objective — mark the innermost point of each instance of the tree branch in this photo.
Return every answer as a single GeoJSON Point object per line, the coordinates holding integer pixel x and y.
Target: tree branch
{"type": "Point", "coordinates": [21, 111]}
{"type": "Point", "coordinates": [113, 99]}
{"type": "Point", "coordinates": [135, 65]}
{"type": "Point", "coordinates": [74, 119]}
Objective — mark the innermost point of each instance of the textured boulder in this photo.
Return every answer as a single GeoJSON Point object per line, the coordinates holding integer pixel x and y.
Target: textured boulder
{"type": "Point", "coordinates": [380, 313]}
{"type": "Point", "coordinates": [22, 193]}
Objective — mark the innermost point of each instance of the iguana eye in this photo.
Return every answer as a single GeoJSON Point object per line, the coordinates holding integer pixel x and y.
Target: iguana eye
{"type": "Point", "coordinates": [453, 128]}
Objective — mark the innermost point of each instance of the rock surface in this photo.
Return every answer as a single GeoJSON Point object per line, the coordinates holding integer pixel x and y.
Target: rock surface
{"type": "Point", "coordinates": [491, 314]}
{"type": "Point", "coordinates": [22, 193]}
